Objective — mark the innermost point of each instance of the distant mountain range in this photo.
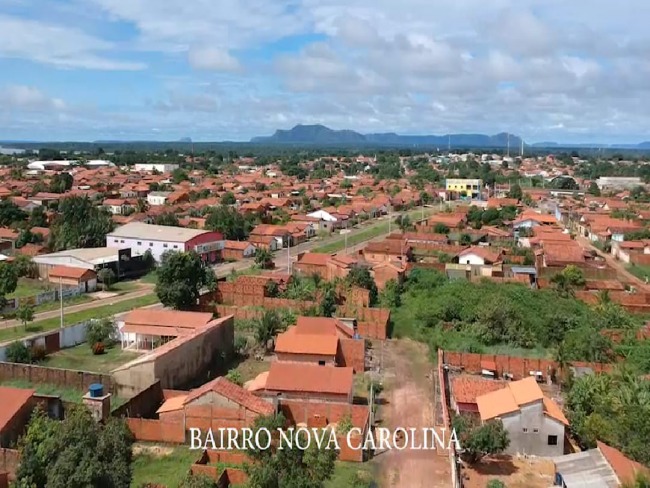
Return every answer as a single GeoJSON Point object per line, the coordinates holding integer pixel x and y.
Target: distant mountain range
{"type": "Point", "coordinates": [321, 135]}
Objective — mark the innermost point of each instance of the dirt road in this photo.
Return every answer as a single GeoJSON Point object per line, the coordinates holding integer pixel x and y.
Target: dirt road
{"type": "Point", "coordinates": [409, 393]}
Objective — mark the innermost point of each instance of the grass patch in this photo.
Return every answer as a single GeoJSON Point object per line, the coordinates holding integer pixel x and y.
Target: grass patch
{"type": "Point", "coordinates": [640, 271]}
{"type": "Point", "coordinates": [251, 367]}
{"type": "Point", "coordinates": [351, 474]}
{"type": "Point", "coordinates": [520, 352]}
{"type": "Point", "coordinates": [151, 278]}
{"type": "Point", "coordinates": [163, 468]}
{"type": "Point", "coordinates": [82, 357]}
{"type": "Point", "coordinates": [122, 287]}
{"type": "Point", "coordinates": [71, 395]}
{"type": "Point", "coordinates": [9, 334]}
{"type": "Point", "coordinates": [29, 288]}
{"type": "Point", "coordinates": [48, 307]}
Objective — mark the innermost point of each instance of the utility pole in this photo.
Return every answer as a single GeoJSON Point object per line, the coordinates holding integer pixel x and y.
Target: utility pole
{"type": "Point", "coordinates": [61, 299]}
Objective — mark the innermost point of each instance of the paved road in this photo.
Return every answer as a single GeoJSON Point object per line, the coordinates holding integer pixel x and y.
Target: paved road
{"type": "Point", "coordinates": [145, 290]}
{"type": "Point", "coordinates": [281, 260]}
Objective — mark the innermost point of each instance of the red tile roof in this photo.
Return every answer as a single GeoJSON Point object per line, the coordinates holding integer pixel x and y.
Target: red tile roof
{"type": "Point", "coordinates": [314, 259]}
{"type": "Point", "coordinates": [167, 318]}
{"type": "Point", "coordinates": [465, 389]}
{"type": "Point", "coordinates": [292, 342]}
{"type": "Point", "coordinates": [69, 272]}
{"type": "Point", "coordinates": [307, 378]}
{"type": "Point", "coordinates": [13, 399]}
{"type": "Point", "coordinates": [625, 469]}
{"type": "Point", "coordinates": [234, 393]}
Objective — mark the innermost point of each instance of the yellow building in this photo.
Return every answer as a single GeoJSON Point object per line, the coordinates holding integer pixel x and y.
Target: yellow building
{"type": "Point", "coordinates": [464, 187]}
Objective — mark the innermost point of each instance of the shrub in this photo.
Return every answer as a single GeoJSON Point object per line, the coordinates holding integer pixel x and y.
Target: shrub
{"type": "Point", "coordinates": [496, 484]}
{"type": "Point", "coordinates": [39, 353]}
{"type": "Point", "coordinates": [18, 352]}
{"type": "Point", "coordinates": [100, 331]}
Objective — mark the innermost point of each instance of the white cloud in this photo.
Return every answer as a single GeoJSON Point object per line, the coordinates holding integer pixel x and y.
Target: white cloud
{"type": "Point", "coordinates": [28, 98]}
{"type": "Point", "coordinates": [212, 59]}
{"type": "Point", "coordinates": [65, 47]}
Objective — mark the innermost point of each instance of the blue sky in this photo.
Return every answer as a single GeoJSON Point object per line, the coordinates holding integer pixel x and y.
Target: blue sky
{"type": "Point", "coordinates": [568, 71]}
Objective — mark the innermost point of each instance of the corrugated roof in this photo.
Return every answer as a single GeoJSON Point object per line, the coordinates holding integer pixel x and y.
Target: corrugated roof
{"type": "Point", "coordinates": [139, 230]}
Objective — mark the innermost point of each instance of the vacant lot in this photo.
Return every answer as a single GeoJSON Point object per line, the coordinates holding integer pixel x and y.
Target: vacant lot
{"type": "Point", "coordinates": [514, 472]}
{"type": "Point", "coordinates": [28, 288]}
{"type": "Point", "coordinates": [72, 395]}
{"type": "Point", "coordinates": [82, 358]}
{"type": "Point", "coordinates": [164, 465]}
{"type": "Point", "coordinates": [410, 404]}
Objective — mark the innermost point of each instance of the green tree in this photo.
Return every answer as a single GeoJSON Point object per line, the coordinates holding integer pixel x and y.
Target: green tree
{"type": "Point", "coordinates": [404, 223]}
{"type": "Point", "coordinates": [107, 277]}
{"type": "Point", "coordinates": [360, 276]}
{"type": "Point", "coordinates": [77, 451]}
{"type": "Point", "coordinates": [80, 224]}
{"type": "Point", "coordinates": [441, 229]}
{"type": "Point", "coordinates": [197, 481]}
{"type": "Point", "coordinates": [228, 198]}
{"type": "Point", "coordinates": [290, 468]}
{"type": "Point", "coordinates": [235, 377]}
{"type": "Point", "coordinates": [18, 352]}
{"type": "Point", "coordinates": [465, 240]}
{"type": "Point", "coordinates": [8, 282]}
{"type": "Point", "coordinates": [37, 218]}
{"type": "Point", "coordinates": [25, 314]}
{"type": "Point", "coordinates": [567, 280]}
{"type": "Point", "coordinates": [593, 189]}
{"type": "Point", "coordinates": [181, 276]}
{"type": "Point", "coordinates": [478, 441]}
{"type": "Point", "coordinates": [327, 305]}
{"type": "Point", "coordinates": [10, 213]}
{"type": "Point", "coordinates": [179, 175]}
{"type": "Point", "coordinates": [24, 265]}
{"type": "Point", "coordinates": [100, 331]}
{"type": "Point", "coordinates": [267, 326]}
{"type": "Point", "coordinates": [263, 257]}
{"type": "Point", "coordinates": [167, 218]}
{"type": "Point", "coordinates": [391, 295]}
{"type": "Point", "coordinates": [227, 220]}
{"type": "Point", "coordinates": [515, 192]}
{"type": "Point", "coordinates": [61, 183]}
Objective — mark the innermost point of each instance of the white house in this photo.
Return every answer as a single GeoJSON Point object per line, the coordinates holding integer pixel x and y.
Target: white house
{"type": "Point", "coordinates": [158, 197]}
{"type": "Point", "coordinates": [151, 167]}
{"type": "Point", "coordinates": [535, 423]}
{"type": "Point", "coordinates": [479, 256]}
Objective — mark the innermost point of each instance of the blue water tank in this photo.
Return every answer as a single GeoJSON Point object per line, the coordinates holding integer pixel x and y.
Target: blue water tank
{"type": "Point", "coordinates": [96, 390]}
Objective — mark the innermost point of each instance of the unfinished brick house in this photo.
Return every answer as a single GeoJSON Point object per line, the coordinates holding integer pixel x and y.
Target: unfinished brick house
{"type": "Point", "coordinates": [217, 404]}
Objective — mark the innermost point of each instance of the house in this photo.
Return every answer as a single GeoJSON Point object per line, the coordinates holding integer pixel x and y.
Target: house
{"type": "Point", "coordinates": [602, 466]}
{"type": "Point", "coordinates": [533, 219]}
{"type": "Point", "coordinates": [288, 380]}
{"type": "Point", "coordinates": [263, 232]}
{"type": "Point", "coordinates": [157, 167]}
{"type": "Point", "coordinates": [386, 271]}
{"type": "Point", "coordinates": [479, 256]}
{"type": "Point", "coordinates": [15, 410]}
{"type": "Point", "coordinates": [75, 277]}
{"type": "Point", "coordinates": [146, 329]}
{"type": "Point", "coordinates": [237, 250]}
{"type": "Point", "coordinates": [117, 206]}
{"type": "Point", "coordinates": [158, 197]}
{"type": "Point", "coordinates": [158, 239]}
{"type": "Point", "coordinates": [294, 346]}
{"type": "Point", "coordinates": [535, 423]}
{"type": "Point", "coordinates": [466, 388]}
{"type": "Point", "coordinates": [311, 263]}
{"type": "Point", "coordinates": [327, 221]}
{"type": "Point", "coordinates": [219, 402]}
{"type": "Point", "coordinates": [462, 187]}
{"type": "Point", "coordinates": [562, 254]}
{"type": "Point", "coordinates": [387, 250]}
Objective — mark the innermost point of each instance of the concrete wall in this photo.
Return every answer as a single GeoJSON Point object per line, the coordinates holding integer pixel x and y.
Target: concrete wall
{"type": "Point", "coordinates": [185, 360]}
{"type": "Point", "coordinates": [65, 378]}
{"type": "Point", "coordinates": [306, 358]}
{"type": "Point", "coordinates": [534, 440]}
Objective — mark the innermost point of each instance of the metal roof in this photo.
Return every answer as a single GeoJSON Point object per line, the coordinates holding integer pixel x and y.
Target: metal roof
{"type": "Point", "coordinates": [151, 232]}
{"type": "Point", "coordinates": [587, 469]}
{"type": "Point", "coordinates": [524, 270]}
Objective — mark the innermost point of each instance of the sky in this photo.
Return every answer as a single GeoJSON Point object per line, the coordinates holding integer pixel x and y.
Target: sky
{"type": "Point", "coordinates": [214, 70]}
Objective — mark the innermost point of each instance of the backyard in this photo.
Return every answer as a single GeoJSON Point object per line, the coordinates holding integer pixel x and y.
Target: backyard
{"type": "Point", "coordinates": [160, 464]}
{"type": "Point", "coordinates": [82, 358]}
{"type": "Point", "coordinates": [67, 394]}
{"type": "Point", "coordinates": [13, 333]}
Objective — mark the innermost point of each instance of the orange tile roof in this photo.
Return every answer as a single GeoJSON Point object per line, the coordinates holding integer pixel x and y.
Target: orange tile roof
{"type": "Point", "coordinates": [314, 258]}
{"type": "Point", "coordinates": [320, 326]}
{"type": "Point", "coordinates": [553, 410]}
{"type": "Point", "coordinates": [292, 342]}
{"type": "Point", "coordinates": [13, 399]}
{"type": "Point", "coordinates": [496, 403]}
{"type": "Point", "coordinates": [234, 393]}
{"type": "Point", "coordinates": [526, 391]}
{"type": "Point", "coordinates": [307, 378]}
{"type": "Point", "coordinates": [167, 318]}
{"type": "Point", "coordinates": [172, 404]}
{"type": "Point", "coordinates": [465, 389]}
{"type": "Point", "coordinates": [69, 272]}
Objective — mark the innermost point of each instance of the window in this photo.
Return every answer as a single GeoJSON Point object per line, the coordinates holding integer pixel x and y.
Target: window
{"type": "Point", "coordinates": [525, 430]}
{"type": "Point", "coordinates": [151, 244]}
{"type": "Point", "coordinates": [165, 245]}
{"type": "Point", "coordinates": [552, 440]}
{"type": "Point", "coordinates": [115, 240]}
{"type": "Point", "coordinates": [122, 241]}
{"type": "Point", "coordinates": [321, 363]}
{"type": "Point", "coordinates": [139, 243]}
{"type": "Point", "coordinates": [535, 431]}
{"type": "Point", "coordinates": [175, 246]}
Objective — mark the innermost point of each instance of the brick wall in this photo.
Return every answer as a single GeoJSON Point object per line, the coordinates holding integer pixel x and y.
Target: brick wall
{"type": "Point", "coordinates": [4, 480]}
{"type": "Point", "coordinates": [352, 353]}
{"type": "Point", "coordinates": [156, 431]}
{"type": "Point", "coordinates": [9, 459]}
{"type": "Point", "coordinates": [65, 378]}
{"type": "Point", "coordinates": [519, 367]}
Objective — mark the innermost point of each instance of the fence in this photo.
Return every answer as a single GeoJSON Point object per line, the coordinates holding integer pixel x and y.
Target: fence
{"type": "Point", "coordinates": [156, 431]}
{"type": "Point", "coordinates": [446, 418]}
{"type": "Point", "coordinates": [46, 297]}
{"type": "Point", "coordinates": [54, 341]}
{"type": "Point", "coordinates": [518, 367]}
{"type": "Point", "coordinates": [64, 378]}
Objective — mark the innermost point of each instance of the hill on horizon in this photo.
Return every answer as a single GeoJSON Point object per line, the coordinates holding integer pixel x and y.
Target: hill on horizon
{"type": "Point", "coordinates": [320, 134]}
